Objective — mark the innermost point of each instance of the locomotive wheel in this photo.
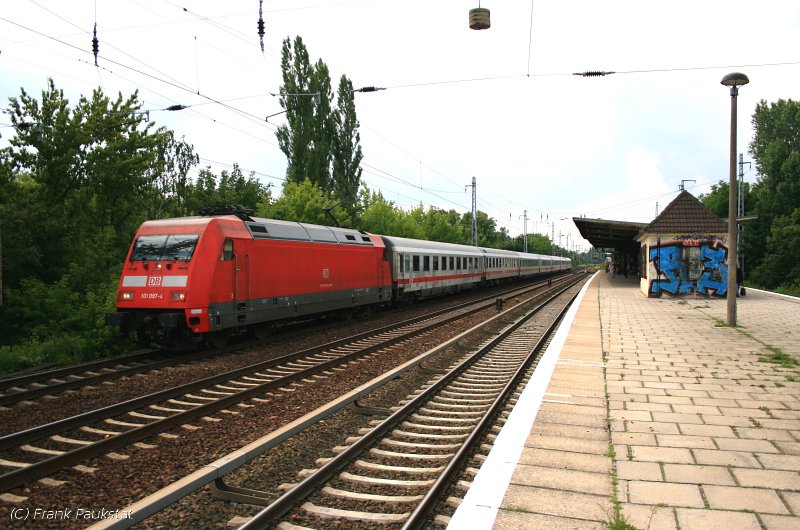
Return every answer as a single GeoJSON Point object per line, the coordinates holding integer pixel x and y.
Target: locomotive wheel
{"type": "Point", "coordinates": [216, 340]}
{"type": "Point", "coordinates": [142, 337]}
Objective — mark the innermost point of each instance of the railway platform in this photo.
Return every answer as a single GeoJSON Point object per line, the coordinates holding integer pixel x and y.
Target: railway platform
{"type": "Point", "coordinates": [653, 412]}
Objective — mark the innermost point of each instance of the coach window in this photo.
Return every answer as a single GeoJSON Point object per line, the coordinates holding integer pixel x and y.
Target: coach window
{"type": "Point", "coordinates": [400, 259]}
{"type": "Point", "coordinates": [227, 250]}
{"type": "Point", "coordinates": [407, 262]}
{"type": "Point", "coordinates": [444, 263]}
{"type": "Point", "coordinates": [436, 263]}
{"type": "Point", "coordinates": [416, 263]}
{"type": "Point", "coordinates": [426, 263]}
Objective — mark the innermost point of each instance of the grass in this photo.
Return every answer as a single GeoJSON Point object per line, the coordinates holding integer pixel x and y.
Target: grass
{"type": "Point", "coordinates": [617, 521]}
{"type": "Point", "coordinates": [778, 357]}
{"type": "Point", "coordinates": [769, 412]}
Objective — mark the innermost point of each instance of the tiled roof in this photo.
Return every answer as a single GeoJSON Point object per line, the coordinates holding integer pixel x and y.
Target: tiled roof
{"type": "Point", "coordinates": [686, 214]}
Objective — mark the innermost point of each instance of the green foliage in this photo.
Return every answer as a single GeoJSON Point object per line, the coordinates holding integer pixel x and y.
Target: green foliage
{"type": "Point", "coordinates": [226, 189]}
{"type": "Point", "coordinates": [61, 322]}
{"type": "Point", "coordinates": [306, 138]}
{"type": "Point", "coordinates": [321, 142]}
{"type": "Point", "coordinates": [384, 217]}
{"type": "Point", "coordinates": [346, 149]}
{"type": "Point", "coordinates": [781, 264]}
{"type": "Point", "coordinates": [78, 170]}
{"type": "Point", "coordinates": [76, 181]}
{"type": "Point", "coordinates": [771, 244]}
{"type": "Point", "coordinates": [717, 199]}
{"type": "Point", "coordinates": [302, 202]}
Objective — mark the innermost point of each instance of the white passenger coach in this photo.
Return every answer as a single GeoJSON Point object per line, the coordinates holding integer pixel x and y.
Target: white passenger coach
{"type": "Point", "coordinates": [426, 268]}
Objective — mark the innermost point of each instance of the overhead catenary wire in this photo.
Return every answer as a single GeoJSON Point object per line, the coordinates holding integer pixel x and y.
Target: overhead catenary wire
{"type": "Point", "coordinates": [189, 106]}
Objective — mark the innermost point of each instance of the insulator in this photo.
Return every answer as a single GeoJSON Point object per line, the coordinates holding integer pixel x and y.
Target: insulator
{"type": "Point", "coordinates": [95, 44]}
{"type": "Point", "coordinates": [593, 73]}
{"type": "Point", "coordinates": [261, 25]}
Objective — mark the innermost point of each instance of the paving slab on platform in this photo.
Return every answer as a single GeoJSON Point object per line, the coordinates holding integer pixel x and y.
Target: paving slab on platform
{"type": "Point", "coordinates": [657, 404]}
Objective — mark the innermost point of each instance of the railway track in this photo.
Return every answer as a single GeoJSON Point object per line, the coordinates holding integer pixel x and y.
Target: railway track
{"type": "Point", "coordinates": [41, 451]}
{"type": "Point", "coordinates": [18, 389]}
{"type": "Point", "coordinates": [396, 472]}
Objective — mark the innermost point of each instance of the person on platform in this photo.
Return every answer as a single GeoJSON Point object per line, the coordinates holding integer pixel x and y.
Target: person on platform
{"type": "Point", "coordinates": [739, 280]}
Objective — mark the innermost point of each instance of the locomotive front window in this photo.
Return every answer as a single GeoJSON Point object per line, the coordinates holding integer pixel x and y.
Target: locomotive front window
{"type": "Point", "coordinates": [164, 247]}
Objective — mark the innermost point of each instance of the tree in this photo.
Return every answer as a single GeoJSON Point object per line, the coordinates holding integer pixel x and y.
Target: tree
{"type": "Point", "coordinates": [321, 142]}
{"type": "Point", "coordinates": [72, 173]}
{"type": "Point", "coordinates": [306, 138]}
{"type": "Point", "coordinates": [229, 188]}
{"type": "Point", "coordinates": [780, 268]}
{"type": "Point", "coordinates": [346, 153]}
{"type": "Point", "coordinates": [172, 182]}
{"type": "Point", "coordinates": [717, 199]}
{"type": "Point", "coordinates": [384, 217]}
{"type": "Point", "coordinates": [75, 183]}
{"type": "Point", "coordinates": [302, 202]}
{"type": "Point", "coordinates": [776, 150]}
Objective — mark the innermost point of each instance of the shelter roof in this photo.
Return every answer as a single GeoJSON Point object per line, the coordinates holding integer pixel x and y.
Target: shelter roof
{"type": "Point", "coordinates": [603, 233]}
{"type": "Point", "coordinates": [686, 214]}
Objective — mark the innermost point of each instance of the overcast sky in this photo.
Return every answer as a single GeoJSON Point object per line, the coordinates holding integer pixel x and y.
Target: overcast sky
{"type": "Point", "coordinates": [501, 105]}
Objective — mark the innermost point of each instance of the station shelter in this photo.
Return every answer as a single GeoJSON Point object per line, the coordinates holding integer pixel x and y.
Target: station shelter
{"type": "Point", "coordinates": [684, 251]}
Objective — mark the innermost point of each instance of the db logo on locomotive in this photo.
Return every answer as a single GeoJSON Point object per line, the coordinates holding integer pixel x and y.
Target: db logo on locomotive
{"type": "Point", "coordinates": [154, 281]}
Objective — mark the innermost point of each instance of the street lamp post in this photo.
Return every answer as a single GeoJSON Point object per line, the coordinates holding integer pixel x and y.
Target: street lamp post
{"type": "Point", "coordinates": [733, 80]}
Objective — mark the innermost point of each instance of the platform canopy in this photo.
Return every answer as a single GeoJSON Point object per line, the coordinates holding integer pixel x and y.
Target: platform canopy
{"type": "Point", "coordinates": [602, 233]}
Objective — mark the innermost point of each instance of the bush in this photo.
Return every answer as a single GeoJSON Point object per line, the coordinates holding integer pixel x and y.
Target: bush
{"type": "Point", "coordinates": [58, 323]}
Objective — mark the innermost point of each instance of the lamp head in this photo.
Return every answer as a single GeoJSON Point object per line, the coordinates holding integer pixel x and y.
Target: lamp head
{"type": "Point", "coordinates": [735, 79]}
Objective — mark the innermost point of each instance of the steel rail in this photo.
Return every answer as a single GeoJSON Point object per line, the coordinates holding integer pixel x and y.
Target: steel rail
{"type": "Point", "coordinates": [9, 380]}
{"type": "Point", "coordinates": [33, 393]}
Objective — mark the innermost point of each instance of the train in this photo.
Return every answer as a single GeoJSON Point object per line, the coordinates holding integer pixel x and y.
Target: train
{"type": "Point", "coordinates": [206, 278]}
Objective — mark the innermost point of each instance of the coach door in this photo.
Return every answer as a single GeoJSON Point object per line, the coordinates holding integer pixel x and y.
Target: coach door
{"type": "Point", "coordinates": [241, 280]}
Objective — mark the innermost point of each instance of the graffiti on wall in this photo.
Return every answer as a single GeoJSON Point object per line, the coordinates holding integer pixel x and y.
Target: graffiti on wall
{"type": "Point", "coordinates": [689, 265]}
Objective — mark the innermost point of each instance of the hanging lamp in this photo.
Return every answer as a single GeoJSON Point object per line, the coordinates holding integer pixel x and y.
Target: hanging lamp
{"type": "Point", "coordinates": [479, 18]}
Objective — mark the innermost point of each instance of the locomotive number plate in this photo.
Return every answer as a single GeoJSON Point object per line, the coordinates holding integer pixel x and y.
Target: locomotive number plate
{"type": "Point", "coordinates": [152, 296]}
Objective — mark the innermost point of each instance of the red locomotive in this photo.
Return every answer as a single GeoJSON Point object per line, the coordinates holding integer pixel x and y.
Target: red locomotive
{"type": "Point", "coordinates": [206, 278]}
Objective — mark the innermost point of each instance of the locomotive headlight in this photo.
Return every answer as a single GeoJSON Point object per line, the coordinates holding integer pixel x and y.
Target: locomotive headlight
{"type": "Point", "coordinates": [127, 295]}
{"type": "Point", "coordinates": [178, 296]}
